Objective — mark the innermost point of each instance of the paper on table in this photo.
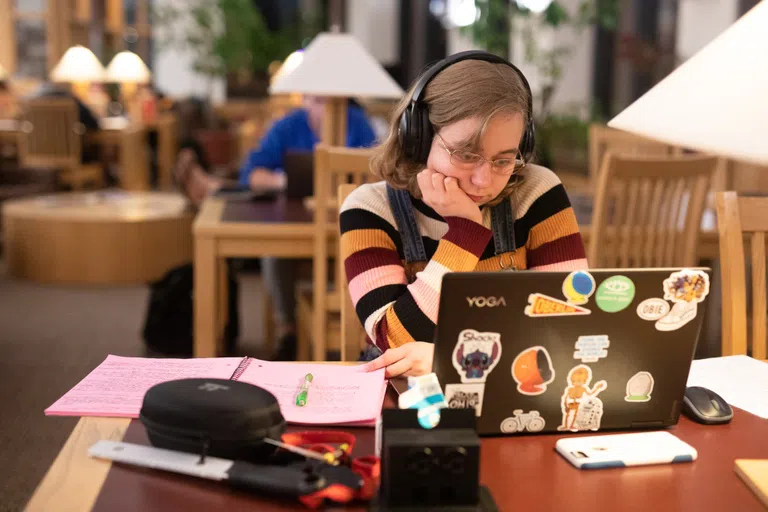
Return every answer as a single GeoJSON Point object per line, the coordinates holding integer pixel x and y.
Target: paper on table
{"type": "Point", "coordinates": [740, 380]}
{"type": "Point", "coordinates": [118, 385]}
{"type": "Point", "coordinates": [337, 394]}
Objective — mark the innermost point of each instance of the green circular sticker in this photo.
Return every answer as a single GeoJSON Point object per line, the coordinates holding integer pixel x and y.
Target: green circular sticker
{"type": "Point", "coordinates": [615, 294]}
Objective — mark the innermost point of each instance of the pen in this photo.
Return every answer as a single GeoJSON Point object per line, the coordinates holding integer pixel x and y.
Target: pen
{"type": "Point", "coordinates": [301, 398]}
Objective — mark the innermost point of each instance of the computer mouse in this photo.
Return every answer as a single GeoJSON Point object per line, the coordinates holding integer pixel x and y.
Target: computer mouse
{"type": "Point", "coordinates": [703, 405]}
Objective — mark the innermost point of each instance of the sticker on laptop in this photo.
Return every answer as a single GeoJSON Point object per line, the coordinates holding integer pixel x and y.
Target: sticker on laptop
{"type": "Point", "coordinates": [582, 409]}
{"type": "Point", "coordinates": [685, 289]}
{"type": "Point", "coordinates": [465, 396]}
{"type": "Point", "coordinates": [578, 287]}
{"type": "Point", "coordinates": [639, 387]}
{"type": "Point", "coordinates": [615, 294]}
{"type": "Point", "coordinates": [540, 305]}
{"type": "Point", "coordinates": [653, 309]}
{"type": "Point", "coordinates": [520, 421]}
{"type": "Point", "coordinates": [532, 370]}
{"type": "Point", "coordinates": [591, 348]}
{"type": "Point", "coordinates": [476, 354]}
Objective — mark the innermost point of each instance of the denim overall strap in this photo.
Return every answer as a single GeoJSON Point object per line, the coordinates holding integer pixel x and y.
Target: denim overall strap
{"type": "Point", "coordinates": [503, 228]}
{"type": "Point", "coordinates": [402, 209]}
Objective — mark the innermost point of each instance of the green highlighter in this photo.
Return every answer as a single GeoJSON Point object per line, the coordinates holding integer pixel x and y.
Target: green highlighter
{"type": "Point", "coordinates": [301, 398]}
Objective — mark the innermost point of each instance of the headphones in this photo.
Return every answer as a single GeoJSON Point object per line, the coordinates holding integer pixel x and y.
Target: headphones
{"type": "Point", "coordinates": [416, 132]}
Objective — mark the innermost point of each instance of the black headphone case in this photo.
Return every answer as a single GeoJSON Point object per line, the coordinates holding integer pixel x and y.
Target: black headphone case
{"type": "Point", "coordinates": [221, 418]}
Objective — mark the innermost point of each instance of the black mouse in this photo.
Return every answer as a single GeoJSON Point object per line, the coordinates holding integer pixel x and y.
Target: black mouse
{"type": "Point", "coordinates": [705, 406]}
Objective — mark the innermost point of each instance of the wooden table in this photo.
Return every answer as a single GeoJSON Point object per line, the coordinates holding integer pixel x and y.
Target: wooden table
{"type": "Point", "coordinates": [225, 229]}
{"type": "Point", "coordinates": [523, 473]}
{"type": "Point", "coordinates": [106, 237]}
{"type": "Point", "coordinates": [133, 160]}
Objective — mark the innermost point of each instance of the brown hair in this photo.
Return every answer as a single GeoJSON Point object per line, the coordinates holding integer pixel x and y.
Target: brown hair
{"type": "Point", "coordinates": [466, 89]}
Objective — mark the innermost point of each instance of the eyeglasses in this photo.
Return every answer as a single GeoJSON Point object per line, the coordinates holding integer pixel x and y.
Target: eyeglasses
{"type": "Point", "coordinates": [467, 160]}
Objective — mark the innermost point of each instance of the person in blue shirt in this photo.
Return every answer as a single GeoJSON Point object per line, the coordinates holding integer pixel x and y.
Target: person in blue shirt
{"type": "Point", "coordinates": [263, 169]}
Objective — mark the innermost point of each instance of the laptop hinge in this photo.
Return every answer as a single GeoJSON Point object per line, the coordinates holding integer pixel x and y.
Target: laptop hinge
{"type": "Point", "coordinates": [646, 424]}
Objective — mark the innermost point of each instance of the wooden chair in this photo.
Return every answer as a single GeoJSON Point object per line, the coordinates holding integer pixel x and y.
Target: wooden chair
{"type": "Point", "coordinates": [648, 211]}
{"type": "Point", "coordinates": [334, 166]}
{"type": "Point", "coordinates": [737, 217]}
{"type": "Point", "coordinates": [51, 138]}
{"type": "Point", "coordinates": [353, 336]}
{"type": "Point", "coordinates": [603, 139]}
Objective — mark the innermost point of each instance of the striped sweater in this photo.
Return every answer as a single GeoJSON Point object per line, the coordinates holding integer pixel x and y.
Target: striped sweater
{"type": "Point", "coordinates": [395, 312]}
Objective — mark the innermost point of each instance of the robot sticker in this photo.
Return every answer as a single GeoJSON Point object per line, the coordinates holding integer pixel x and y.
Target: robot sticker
{"type": "Point", "coordinates": [465, 396]}
{"type": "Point", "coordinates": [685, 289]}
{"type": "Point", "coordinates": [582, 409]}
{"type": "Point", "coordinates": [639, 387]}
{"type": "Point", "coordinates": [532, 370]}
{"type": "Point", "coordinates": [476, 354]}
{"type": "Point", "coordinates": [520, 421]}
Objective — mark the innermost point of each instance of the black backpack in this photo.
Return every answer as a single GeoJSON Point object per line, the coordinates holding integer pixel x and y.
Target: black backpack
{"type": "Point", "coordinates": [169, 323]}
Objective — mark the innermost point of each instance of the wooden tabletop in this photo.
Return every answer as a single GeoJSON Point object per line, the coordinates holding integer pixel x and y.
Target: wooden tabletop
{"type": "Point", "coordinates": [523, 473]}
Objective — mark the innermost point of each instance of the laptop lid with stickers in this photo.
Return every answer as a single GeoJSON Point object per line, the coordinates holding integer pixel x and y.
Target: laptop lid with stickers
{"type": "Point", "coordinates": [579, 351]}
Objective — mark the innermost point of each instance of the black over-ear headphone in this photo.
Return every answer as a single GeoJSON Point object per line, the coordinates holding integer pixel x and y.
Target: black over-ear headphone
{"type": "Point", "coordinates": [416, 132]}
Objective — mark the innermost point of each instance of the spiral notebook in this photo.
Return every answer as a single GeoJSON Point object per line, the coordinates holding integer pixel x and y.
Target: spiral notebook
{"type": "Point", "coordinates": [338, 395]}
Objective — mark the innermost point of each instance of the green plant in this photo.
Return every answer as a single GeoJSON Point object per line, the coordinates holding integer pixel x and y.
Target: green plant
{"type": "Point", "coordinates": [228, 36]}
{"type": "Point", "coordinates": [497, 20]}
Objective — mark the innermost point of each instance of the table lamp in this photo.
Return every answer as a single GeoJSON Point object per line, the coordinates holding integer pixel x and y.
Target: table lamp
{"type": "Point", "coordinates": [338, 67]}
{"type": "Point", "coordinates": [78, 66]}
{"type": "Point", "coordinates": [128, 70]}
{"type": "Point", "coordinates": [717, 101]}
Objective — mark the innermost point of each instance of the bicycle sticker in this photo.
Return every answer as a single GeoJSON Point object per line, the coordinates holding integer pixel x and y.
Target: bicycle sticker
{"type": "Point", "coordinates": [639, 387]}
{"type": "Point", "coordinates": [476, 354]}
{"type": "Point", "coordinates": [582, 409]}
{"type": "Point", "coordinates": [465, 396]}
{"type": "Point", "coordinates": [532, 370]}
{"type": "Point", "coordinates": [591, 348]}
{"type": "Point", "coordinates": [520, 421]}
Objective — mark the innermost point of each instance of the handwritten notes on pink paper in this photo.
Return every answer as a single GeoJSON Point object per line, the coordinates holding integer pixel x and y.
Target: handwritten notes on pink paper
{"type": "Point", "coordinates": [337, 395]}
{"type": "Point", "coordinates": [117, 386]}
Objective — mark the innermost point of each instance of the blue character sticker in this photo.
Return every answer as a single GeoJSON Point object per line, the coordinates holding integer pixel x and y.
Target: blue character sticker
{"type": "Point", "coordinates": [476, 354]}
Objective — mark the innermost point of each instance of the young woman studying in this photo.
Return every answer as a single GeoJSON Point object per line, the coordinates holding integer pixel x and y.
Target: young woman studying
{"type": "Point", "coordinates": [458, 195]}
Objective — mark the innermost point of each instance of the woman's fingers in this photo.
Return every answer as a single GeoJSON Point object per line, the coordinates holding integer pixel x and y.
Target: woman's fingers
{"type": "Point", "coordinates": [399, 368]}
{"type": "Point", "coordinates": [438, 182]}
{"type": "Point", "coordinates": [451, 185]}
{"type": "Point", "coordinates": [388, 358]}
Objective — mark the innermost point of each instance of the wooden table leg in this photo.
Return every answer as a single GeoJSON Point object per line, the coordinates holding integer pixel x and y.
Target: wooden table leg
{"type": "Point", "coordinates": [222, 302]}
{"type": "Point", "coordinates": [205, 297]}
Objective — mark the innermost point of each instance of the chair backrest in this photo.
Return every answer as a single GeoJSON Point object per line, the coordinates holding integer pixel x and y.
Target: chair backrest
{"type": "Point", "coordinates": [51, 133]}
{"type": "Point", "coordinates": [334, 166]}
{"type": "Point", "coordinates": [737, 217]}
{"type": "Point", "coordinates": [648, 211]}
{"type": "Point", "coordinates": [353, 336]}
{"type": "Point", "coordinates": [603, 139]}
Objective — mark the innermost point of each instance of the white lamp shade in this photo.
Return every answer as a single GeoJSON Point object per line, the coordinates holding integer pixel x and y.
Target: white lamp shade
{"type": "Point", "coordinates": [717, 101]}
{"type": "Point", "coordinates": [3, 73]}
{"type": "Point", "coordinates": [337, 65]}
{"type": "Point", "coordinates": [290, 65]}
{"type": "Point", "coordinates": [78, 64]}
{"type": "Point", "coordinates": [127, 67]}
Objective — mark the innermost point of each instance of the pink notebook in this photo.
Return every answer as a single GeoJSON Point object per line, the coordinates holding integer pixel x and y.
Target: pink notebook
{"type": "Point", "coordinates": [338, 395]}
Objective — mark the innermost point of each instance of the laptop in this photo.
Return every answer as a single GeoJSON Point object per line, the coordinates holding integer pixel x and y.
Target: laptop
{"type": "Point", "coordinates": [569, 351]}
{"type": "Point", "coordinates": [299, 169]}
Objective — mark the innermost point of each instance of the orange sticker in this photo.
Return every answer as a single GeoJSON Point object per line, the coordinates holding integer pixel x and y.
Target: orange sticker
{"type": "Point", "coordinates": [544, 305]}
